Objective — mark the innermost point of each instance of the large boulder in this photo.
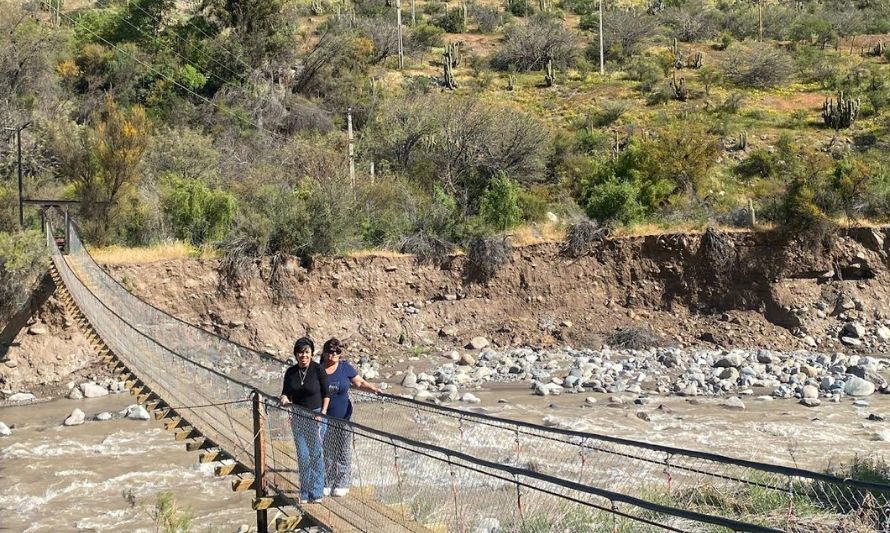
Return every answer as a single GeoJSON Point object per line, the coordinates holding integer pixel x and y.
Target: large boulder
{"type": "Point", "coordinates": [4, 430]}
{"type": "Point", "coordinates": [136, 412]}
{"type": "Point", "coordinates": [478, 343]}
{"type": "Point", "coordinates": [91, 390]}
{"type": "Point", "coordinates": [856, 386]}
{"type": "Point", "coordinates": [22, 397]}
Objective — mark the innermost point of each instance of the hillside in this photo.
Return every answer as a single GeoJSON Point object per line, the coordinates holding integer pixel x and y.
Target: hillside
{"type": "Point", "coordinates": [225, 123]}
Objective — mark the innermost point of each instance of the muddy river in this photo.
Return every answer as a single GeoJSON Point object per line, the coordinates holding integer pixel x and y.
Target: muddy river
{"type": "Point", "coordinates": [56, 478]}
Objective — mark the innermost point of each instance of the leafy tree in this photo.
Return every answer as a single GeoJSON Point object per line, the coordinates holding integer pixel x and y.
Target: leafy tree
{"type": "Point", "coordinates": [108, 170]}
{"type": "Point", "coordinates": [22, 260]}
{"type": "Point", "coordinates": [197, 213]}
{"type": "Point", "coordinates": [499, 205]}
{"type": "Point", "coordinates": [614, 199]}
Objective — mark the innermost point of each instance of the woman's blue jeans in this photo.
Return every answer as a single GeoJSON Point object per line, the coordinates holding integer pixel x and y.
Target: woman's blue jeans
{"type": "Point", "coordinates": [309, 457]}
{"type": "Point", "coordinates": [337, 437]}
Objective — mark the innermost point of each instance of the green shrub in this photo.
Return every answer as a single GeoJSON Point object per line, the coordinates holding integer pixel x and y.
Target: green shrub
{"type": "Point", "coordinates": [646, 70]}
{"type": "Point", "coordinates": [757, 65]}
{"type": "Point", "coordinates": [197, 213]}
{"type": "Point", "coordinates": [452, 21]}
{"type": "Point", "coordinates": [427, 36]}
{"type": "Point", "coordinates": [22, 260]}
{"type": "Point", "coordinates": [499, 205]}
{"type": "Point", "coordinates": [614, 199]}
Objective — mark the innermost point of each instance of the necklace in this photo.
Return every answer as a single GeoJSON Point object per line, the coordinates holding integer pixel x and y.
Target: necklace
{"type": "Point", "coordinates": [302, 375]}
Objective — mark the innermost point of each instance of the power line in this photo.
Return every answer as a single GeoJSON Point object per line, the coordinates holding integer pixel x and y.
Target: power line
{"type": "Point", "coordinates": [205, 34]}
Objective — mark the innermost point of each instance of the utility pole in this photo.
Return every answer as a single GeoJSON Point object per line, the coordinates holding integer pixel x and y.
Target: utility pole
{"type": "Point", "coordinates": [18, 143]}
{"type": "Point", "coordinates": [413, 15]}
{"type": "Point", "coordinates": [399, 25]}
{"type": "Point", "coordinates": [351, 149]}
{"type": "Point", "coordinates": [602, 52]}
{"type": "Point", "coordinates": [760, 19]}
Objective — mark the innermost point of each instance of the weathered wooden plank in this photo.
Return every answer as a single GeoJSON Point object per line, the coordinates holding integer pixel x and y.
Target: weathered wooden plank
{"type": "Point", "coordinates": [231, 470]}
{"type": "Point", "coordinates": [188, 432]}
{"type": "Point", "coordinates": [243, 484]}
{"type": "Point", "coordinates": [213, 456]}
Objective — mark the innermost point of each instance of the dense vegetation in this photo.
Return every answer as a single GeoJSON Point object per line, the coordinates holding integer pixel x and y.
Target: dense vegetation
{"type": "Point", "coordinates": [224, 123]}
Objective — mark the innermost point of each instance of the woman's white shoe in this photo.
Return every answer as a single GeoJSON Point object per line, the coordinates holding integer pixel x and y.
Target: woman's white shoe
{"type": "Point", "coordinates": [340, 492]}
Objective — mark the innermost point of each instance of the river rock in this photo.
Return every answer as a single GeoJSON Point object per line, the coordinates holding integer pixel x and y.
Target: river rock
{"type": "Point", "coordinates": [810, 392]}
{"type": "Point", "coordinates": [467, 360]}
{"type": "Point", "coordinates": [136, 412]}
{"type": "Point", "coordinates": [689, 390]}
{"type": "Point", "coordinates": [811, 402]}
{"type": "Point", "coordinates": [734, 403]}
{"type": "Point", "coordinates": [478, 343]}
{"type": "Point", "coordinates": [860, 403]}
{"type": "Point", "coordinates": [4, 430]}
{"type": "Point", "coordinates": [37, 329]}
{"type": "Point", "coordinates": [857, 386]}
{"type": "Point", "coordinates": [853, 329]}
{"type": "Point", "coordinates": [730, 373]}
{"type": "Point", "coordinates": [76, 418]}
{"type": "Point", "coordinates": [883, 333]}
{"type": "Point", "coordinates": [730, 360]}
{"type": "Point", "coordinates": [103, 416]}
{"type": "Point", "coordinates": [410, 379]}
{"type": "Point", "coordinates": [75, 394]}
{"type": "Point", "coordinates": [590, 400]}
{"type": "Point", "coordinates": [851, 341]}
{"type": "Point", "coordinates": [91, 390]}
{"type": "Point", "coordinates": [470, 398]}
{"type": "Point", "coordinates": [22, 397]}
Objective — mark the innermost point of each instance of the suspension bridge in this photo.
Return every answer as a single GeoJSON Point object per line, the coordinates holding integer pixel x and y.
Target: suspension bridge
{"type": "Point", "coordinates": [422, 467]}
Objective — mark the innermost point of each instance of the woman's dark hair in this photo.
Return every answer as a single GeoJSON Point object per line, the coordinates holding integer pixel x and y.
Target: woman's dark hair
{"type": "Point", "coordinates": [332, 345]}
{"type": "Point", "coordinates": [301, 343]}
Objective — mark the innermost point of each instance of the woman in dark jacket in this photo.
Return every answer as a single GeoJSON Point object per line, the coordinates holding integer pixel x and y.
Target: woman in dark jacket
{"type": "Point", "coordinates": [306, 387]}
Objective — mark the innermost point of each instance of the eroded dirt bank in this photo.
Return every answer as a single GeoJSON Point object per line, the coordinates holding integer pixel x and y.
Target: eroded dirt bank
{"type": "Point", "coordinates": [756, 292]}
{"type": "Point", "coordinates": [751, 291]}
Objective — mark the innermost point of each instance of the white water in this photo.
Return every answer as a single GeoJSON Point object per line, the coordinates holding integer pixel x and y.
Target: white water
{"type": "Point", "coordinates": [57, 478]}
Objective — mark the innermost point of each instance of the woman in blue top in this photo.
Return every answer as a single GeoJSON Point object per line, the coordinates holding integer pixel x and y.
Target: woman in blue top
{"type": "Point", "coordinates": [336, 435]}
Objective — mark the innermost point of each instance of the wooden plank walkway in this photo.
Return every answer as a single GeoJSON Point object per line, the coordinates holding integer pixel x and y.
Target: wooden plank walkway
{"type": "Point", "coordinates": [355, 512]}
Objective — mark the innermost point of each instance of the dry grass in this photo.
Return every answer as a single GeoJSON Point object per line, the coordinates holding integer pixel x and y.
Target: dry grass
{"type": "Point", "coordinates": [119, 255]}
{"type": "Point", "coordinates": [538, 233]}
{"type": "Point", "coordinates": [370, 252]}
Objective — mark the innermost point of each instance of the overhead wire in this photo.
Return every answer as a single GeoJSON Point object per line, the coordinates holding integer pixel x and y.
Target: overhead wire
{"type": "Point", "coordinates": [170, 79]}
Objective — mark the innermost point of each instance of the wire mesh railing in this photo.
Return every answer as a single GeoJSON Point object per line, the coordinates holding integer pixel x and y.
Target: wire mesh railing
{"type": "Point", "coordinates": [759, 493]}
{"type": "Point", "coordinates": [425, 487]}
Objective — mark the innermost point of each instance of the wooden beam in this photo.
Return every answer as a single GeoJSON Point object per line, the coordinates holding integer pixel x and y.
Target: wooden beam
{"type": "Point", "coordinates": [287, 523]}
{"type": "Point", "coordinates": [164, 412]}
{"type": "Point", "coordinates": [175, 422]}
{"type": "Point", "coordinates": [145, 398]}
{"type": "Point", "coordinates": [231, 470]}
{"type": "Point", "coordinates": [200, 443]}
{"type": "Point", "coordinates": [188, 432]}
{"type": "Point", "coordinates": [243, 484]}
{"type": "Point", "coordinates": [268, 502]}
{"type": "Point", "coordinates": [212, 456]}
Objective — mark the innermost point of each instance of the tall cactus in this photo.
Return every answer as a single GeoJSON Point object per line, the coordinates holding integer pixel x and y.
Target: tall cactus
{"type": "Point", "coordinates": [697, 60]}
{"type": "Point", "coordinates": [840, 113]}
{"type": "Point", "coordinates": [449, 61]}
{"type": "Point", "coordinates": [550, 76]}
{"type": "Point", "coordinates": [680, 91]}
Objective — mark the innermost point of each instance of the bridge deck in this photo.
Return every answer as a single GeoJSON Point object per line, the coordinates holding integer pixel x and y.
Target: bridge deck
{"type": "Point", "coordinates": [357, 511]}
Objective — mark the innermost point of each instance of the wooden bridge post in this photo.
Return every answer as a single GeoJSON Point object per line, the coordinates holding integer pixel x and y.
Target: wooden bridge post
{"type": "Point", "coordinates": [259, 463]}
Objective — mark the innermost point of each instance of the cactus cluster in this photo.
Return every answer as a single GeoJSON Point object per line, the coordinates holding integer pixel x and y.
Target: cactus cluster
{"type": "Point", "coordinates": [679, 89]}
{"type": "Point", "coordinates": [877, 50]}
{"type": "Point", "coordinates": [681, 60]}
{"type": "Point", "coordinates": [840, 113]}
{"type": "Point", "coordinates": [550, 76]}
{"type": "Point", "coordinates": [742, 142]}
{"type": "Point", "coordinates": [450, 60]}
